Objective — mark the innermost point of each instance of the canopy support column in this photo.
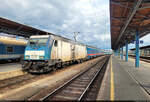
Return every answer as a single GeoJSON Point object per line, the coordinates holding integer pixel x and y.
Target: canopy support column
{"type": "Point", "coordinates": [116, 53]}
{"type": "Point", "coordinates": [119, 52]}
{"type": "Point", "coordinates": [126, 51]}
{"type": "Point", "coordinates": [122, 53]}
{"type": "Point", "coordinates": [137, 63]}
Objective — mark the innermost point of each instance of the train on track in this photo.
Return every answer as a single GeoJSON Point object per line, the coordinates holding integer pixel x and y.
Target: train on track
{"type": "Point", "coordinates": [143, 53]}
{"type": "Point", "coordinates": [11, 48]}
{"type": "Point", "coordinates": [44, 53]}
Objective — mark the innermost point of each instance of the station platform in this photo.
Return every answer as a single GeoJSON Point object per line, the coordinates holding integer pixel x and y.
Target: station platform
{"type": "Point", "coordinates": [9, 67]}
{"type": "Point", "coordinates": [10, 70]}
{"type": "Point", "coordinates": [123, 81]}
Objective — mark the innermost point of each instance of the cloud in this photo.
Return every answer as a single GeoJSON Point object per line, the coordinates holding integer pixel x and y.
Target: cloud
{"type": "Point", "coordinates": [102, 37]}
{"type": "Point", "coordinates": [63, 17]}
{"type": "Point", "coordinates": [146, 39]}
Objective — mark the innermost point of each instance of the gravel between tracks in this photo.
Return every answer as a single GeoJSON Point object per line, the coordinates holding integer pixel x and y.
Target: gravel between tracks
{"type": "Point", "coordinates": [55, 78]}
{"type": "Point", "coordinates": [18, 81]}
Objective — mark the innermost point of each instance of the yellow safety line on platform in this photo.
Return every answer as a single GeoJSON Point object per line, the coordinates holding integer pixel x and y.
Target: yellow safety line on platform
{"type": "Point", "coordinates": [112, 83]}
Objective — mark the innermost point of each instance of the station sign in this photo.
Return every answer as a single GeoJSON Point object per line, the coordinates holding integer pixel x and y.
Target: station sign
{"type": "Point", "coordinates": [141, 42]}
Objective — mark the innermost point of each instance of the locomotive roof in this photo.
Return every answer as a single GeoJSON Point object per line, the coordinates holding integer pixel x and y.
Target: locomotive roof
{"type": "Point", "coordinates": [12, 41]}
{"type": "Point", "coordinates": [57, 37]}
{"type": "Point", "coordinates": [68, 40]}
{"type": "Point", "coordinates": [92, 47]}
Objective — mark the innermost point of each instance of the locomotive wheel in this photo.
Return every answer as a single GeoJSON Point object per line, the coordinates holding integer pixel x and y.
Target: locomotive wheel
{"type": "Point", "coordinates": [54, 68]}
{"type": "Point", "coordinates": [58, 65]}
{"type": "Point", "coordinates": [47, 69]}
{"type": "Point", "coordinates": [80, 61]}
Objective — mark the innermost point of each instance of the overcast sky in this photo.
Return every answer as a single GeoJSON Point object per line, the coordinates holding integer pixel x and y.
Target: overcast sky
{"type": "Point", "coordinates": [63, 17]}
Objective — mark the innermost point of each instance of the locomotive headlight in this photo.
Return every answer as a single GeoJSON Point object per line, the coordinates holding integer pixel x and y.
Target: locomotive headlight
{"type": "Point", "coordinates": [27, 57]}
{"type": "Point", "coordinates": [41, 57]}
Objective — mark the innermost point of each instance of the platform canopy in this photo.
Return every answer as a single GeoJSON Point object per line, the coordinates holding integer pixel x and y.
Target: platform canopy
{"type": "Point", "coordinates": [143, 47]}
{"type": "Point", "coordinates": [14, 28]}
{"type": "Point", "coordinates": [127, 17]}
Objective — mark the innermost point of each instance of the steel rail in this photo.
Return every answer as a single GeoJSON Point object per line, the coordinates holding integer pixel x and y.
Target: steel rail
{"type": "Point", "coordinates": [92, 80]}
{"type": "Point", "coordinates": [141, 58]}
{"type": "Point", "coordinates": [79, 74]}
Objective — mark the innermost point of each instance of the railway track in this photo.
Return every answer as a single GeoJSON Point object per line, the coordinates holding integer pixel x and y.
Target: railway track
{"type": "Point", "coordinates": [79, 86]}
{"type": "Point", "coordinates": [14, 80]}
{"type": "Point", "coordinates": [9, 63]}
{"type": "Point", "coordinates": [145, 59]}
{"type": "Point", "coordinates": [18, 81]}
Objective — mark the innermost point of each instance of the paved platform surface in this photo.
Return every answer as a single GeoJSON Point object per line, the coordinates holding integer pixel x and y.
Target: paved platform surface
{"type": "Point", "coordinates": [129, 83]}
{"type": "Point", "coordinates": [9, 67]}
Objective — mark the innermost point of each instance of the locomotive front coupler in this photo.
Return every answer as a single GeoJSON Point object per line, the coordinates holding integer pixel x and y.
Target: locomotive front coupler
{"type": "Point", "coordinates": [40, 63]}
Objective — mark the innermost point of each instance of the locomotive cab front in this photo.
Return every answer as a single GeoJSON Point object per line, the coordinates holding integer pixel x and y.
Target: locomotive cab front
{"type": "Point", "coordinates": [37, 53]}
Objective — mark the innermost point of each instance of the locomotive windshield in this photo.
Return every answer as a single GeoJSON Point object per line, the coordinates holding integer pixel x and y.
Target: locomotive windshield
{"type": "Point", "coordinates": [38, 41]}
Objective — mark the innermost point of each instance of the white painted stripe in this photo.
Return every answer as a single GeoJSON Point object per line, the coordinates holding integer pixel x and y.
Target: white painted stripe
{"type": "Point", "coordinates": [39, 53]}
{"type": "Point", "coordinates": [10, 56]}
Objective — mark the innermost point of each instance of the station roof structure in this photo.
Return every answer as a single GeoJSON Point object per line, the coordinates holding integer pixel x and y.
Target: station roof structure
{"type": "Point", "coordinates": [127, 17]}
{"type": "Point", "coordinates": [14, 28]}
{"type": "Point", "coordinates": [143, 47]}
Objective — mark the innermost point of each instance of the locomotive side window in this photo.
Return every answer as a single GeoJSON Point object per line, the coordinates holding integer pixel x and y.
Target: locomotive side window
{"type": "Point", "coordinates": [56, 43]}
{"type": "Point", "coordinates": [9, 49]}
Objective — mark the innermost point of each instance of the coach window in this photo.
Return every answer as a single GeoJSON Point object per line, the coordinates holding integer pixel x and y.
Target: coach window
{"type": "Point", "coordinates": [9, 49]}
{"type": "Point", "coordinates": [56, 43]}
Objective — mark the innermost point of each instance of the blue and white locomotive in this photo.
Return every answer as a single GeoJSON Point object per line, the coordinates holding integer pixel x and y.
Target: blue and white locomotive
{"type": "Point", "coordinates": [11, 48]}
{"type": "Point", "coordinates": [46, 52]}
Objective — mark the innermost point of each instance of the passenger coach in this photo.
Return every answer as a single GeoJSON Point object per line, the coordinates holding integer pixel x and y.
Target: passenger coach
{"type": "Point", "coordinates": [11, 48]}
{"type": "Point", "coordinates": [93, 51]}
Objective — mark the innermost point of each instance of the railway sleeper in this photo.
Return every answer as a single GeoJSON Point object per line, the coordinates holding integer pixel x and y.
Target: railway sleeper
{"type": "Point", "coordinates": [75, 84]}
{"type": "Point", "coordinates": [63, 98]}
{"type": "Point", "coordinates": [72, 92]}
